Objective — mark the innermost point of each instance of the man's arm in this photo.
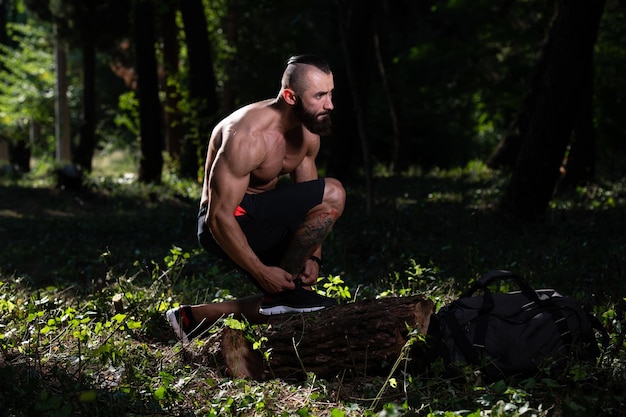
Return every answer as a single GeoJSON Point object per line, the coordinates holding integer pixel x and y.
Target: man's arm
{"type": "Point", "coordinates": [229, 179]}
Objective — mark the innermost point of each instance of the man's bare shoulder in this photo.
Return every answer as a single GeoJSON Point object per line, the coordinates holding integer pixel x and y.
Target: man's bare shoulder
{"type": "Point", "coordinates": [250, 117]}
{"type": "Point", "coordinates": [252, 127]}
{"type": "Point", "coordinates": [244, 131]}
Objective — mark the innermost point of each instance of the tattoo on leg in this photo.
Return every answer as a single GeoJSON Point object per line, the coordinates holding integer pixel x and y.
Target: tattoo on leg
{"type": "Point", "coordinates": [306, 239]}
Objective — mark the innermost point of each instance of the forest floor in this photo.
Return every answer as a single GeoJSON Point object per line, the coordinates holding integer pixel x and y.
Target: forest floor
{"type": "Point", "coordinates": [430, 234]}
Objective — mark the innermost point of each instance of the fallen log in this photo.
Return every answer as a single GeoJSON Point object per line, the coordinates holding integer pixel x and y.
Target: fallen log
{"type": "Point", "coordinates": [364, 338]}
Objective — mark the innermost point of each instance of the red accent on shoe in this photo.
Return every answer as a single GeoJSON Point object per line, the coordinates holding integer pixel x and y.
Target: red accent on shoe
{"type": "Point", "coordinates": [183, 318]}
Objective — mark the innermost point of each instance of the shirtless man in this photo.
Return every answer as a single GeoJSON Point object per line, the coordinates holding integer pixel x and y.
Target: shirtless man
{"type": "Point", "coordinates": [272, 232]}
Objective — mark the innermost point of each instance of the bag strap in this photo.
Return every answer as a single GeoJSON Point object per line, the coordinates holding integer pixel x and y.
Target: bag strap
{"type": "Point", "coordinates": [494, 276]}
{"type": "Point", "coordinates": [561, 324]}
{"type": "Point", "coordinates": [461, 340]}
{"type": "Point", "coordinates": [587, 336]}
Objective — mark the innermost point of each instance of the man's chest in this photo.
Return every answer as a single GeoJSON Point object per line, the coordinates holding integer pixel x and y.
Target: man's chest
{"type": "Point", "coordinates": [279, 162]}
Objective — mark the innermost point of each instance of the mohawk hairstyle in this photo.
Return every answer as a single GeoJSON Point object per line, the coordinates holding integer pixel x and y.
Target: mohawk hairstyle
{"type": "Point", "coordinates": [310, 59]}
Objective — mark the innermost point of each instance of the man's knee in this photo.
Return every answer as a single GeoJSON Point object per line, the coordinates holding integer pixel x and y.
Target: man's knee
{"type": "Point", "coordinates": [335, 195]}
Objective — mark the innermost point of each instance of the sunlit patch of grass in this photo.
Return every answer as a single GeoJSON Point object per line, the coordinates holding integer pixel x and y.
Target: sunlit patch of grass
{"type": "Point", "coordinates": [115, 162]}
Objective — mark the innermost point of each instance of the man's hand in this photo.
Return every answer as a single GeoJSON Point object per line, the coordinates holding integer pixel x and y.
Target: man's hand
{"type": "Point", "coordinates": [276, 279]}
{"type": "Point", "coordinates": [310, 272]}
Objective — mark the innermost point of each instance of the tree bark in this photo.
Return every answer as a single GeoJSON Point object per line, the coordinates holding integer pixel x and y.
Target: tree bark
{"type": "Point", "coordinates": [151, 164]}
{"type": "Point", "coordinates": [365, 338]}
{"type": "Point", "coordinates": [202, 86]}
{"type": "Point", "coordinates": [174, 136]}
{"type": "Point", "coordinates": [62, 113]}
{"type": "Point", "coordinates": [230, 90]}
{"type": "Point", "coordinates": [579, 166]}
{"type": "Point", "coordinates": [553, 117]}
{"type": "Point", "coordinates": [87, 144]}
{"type": "Point", "coordinates": [19, 156]}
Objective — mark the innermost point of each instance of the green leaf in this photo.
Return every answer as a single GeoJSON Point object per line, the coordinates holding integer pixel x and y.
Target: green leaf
{"type": "Point", "coordinates": [159, 393]}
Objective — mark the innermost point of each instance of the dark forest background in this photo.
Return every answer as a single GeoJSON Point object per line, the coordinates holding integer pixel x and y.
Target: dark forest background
{"type": "Point", "coordinates": [530, 87]}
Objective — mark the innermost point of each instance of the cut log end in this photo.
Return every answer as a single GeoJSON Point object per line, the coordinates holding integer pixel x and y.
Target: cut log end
{"type": "Point", "coordinates": [241, 359]}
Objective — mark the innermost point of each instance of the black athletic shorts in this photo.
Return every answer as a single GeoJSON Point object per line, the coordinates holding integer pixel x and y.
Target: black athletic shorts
{"type": "Point", "coordinates": [268, 219]}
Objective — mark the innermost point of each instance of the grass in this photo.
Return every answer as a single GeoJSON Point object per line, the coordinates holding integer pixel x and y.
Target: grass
{"type": "Point", "coordinates": [64, 257]}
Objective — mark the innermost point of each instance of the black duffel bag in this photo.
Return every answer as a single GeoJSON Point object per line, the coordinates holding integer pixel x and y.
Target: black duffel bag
{"type": "Point", "coordinates": [513, 333]}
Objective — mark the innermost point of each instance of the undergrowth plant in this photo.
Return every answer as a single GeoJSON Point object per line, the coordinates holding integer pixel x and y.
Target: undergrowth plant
{"type": "Point", "coordinates": [99, 344]}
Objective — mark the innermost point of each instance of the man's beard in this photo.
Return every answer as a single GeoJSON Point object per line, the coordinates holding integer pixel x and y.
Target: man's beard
{"type": "Point", "coordinates": [321, 126]}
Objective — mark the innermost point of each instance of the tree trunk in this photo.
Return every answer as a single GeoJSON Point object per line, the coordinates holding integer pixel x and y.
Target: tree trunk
{"type": "Point", "coordinates": [4, 37]}
{"type": "Point", "coordinates": [87, 144]}
{"type": "Point", "coordinates": [579, 166]}
{"type": "Point", "coordinates": [171, 55]}
{"type": "Point", "coordinates": [4, 155]}
{"type": "Point", "coordinates": [553, 117]}
{"type": "Point", "coordinates": [19, 156]}
{"type": "Point", "coordinates": [229, 90]}
{"type": "Point", "coordinates": [202, 84]}
{"type": "Point", "coordinates": [151, 164]}
{"type": "Point", "coordinates": [346, 341]}
{"type": "Point", "coordinates": [62, 116]}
